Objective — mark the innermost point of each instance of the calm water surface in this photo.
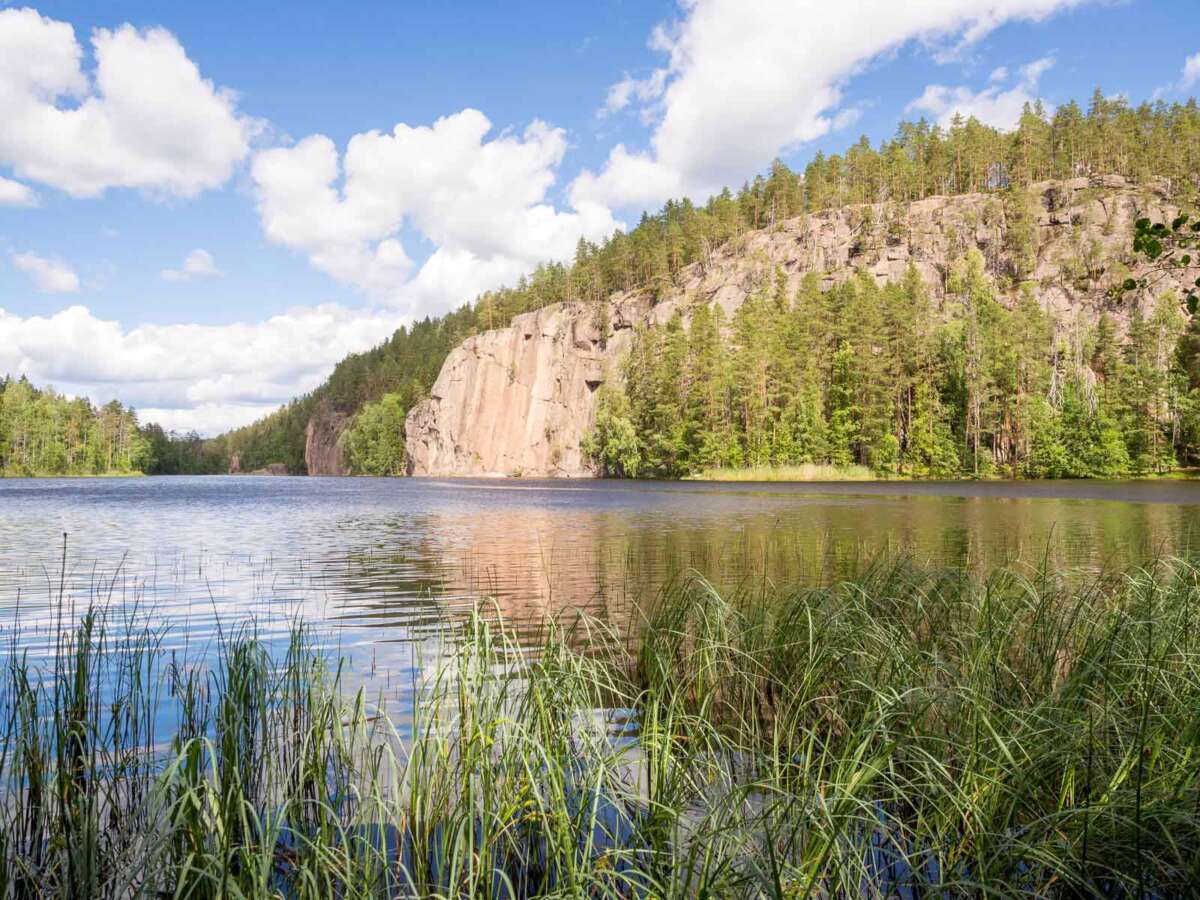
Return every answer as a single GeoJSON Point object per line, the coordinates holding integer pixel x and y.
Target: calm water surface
{"type": "Point", "coordinates": [384, 562]}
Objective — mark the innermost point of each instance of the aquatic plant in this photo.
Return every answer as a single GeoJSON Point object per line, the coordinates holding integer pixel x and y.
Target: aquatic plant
{"type": "Point", "coordinates": [910, 732]}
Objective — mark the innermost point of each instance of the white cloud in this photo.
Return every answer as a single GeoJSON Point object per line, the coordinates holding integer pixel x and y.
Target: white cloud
{"type": "Point", "coordinates": [199, 264]}
{"type": "Point", "coordinates": [144, 119]}
{"type": "Point", "coordinates": [481, 201]}
{"type": "Point", "coordinates": [13, 193]}
{"type": "Point", "coordinates": [1191, 72]}
{"type": "Point", "coordinates": [991, 105]}
{"type": "Point", "coordinates": [747, 80]}
{"type": "Point", "coordinates": [208, 377]}
{"type": "Point", "coordinates": [628, 89]}
{"type": "Point", "coordinates": [51, 276]}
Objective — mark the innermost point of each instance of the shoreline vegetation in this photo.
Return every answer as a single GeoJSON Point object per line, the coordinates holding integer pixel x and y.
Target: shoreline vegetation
{"type": "Point", "coordinates": [804, 472]}
{"type": "Point", "coordinates": [909, 732]}
{"type": "Point", "coordinates": [46, 434]}
{"type": "Point", "coordinates": [849, 474]}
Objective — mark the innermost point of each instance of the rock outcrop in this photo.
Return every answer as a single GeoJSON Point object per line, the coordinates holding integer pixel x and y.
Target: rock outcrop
{"type": "Point", "coordinates": [519, 400]}
{"type": "Point", "coordinates": [322, 452]}
{"type": "Point", "coordinates": [511, 401]}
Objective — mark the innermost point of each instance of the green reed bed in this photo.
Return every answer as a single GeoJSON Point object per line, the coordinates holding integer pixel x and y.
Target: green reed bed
{"type": "Point", "coordinates": [909, 733]}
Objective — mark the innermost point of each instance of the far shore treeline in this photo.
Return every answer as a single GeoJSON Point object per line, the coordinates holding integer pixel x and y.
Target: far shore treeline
{"type": "Point", "coordinates": [45, 433]}
{"type": "Point", "coordinates": [990, 393]}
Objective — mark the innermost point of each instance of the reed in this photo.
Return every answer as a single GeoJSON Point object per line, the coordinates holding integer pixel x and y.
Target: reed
{"type": "Point", "coordinates": [910, 732]}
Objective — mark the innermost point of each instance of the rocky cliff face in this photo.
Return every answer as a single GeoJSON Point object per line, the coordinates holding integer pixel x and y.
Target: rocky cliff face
{"type": "Point", "coordinates": [511, 401]}
{"type": "Point", "coordinates": [322, 452]}
{"type": "Point", "coordinates": [519, 400]}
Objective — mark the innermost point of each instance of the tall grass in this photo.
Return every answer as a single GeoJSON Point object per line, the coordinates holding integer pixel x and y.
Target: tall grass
{"type": "Point", "coordinates": [909, 733]}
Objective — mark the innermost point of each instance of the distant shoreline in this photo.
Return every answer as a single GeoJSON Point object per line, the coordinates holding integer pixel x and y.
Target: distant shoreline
{"type": "Point", "coordinates": [73, 475]}
{"type": "Point", "coordinates": [801, 475]}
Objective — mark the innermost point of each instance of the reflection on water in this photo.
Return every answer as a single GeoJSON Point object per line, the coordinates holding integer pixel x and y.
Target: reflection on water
{"type": "Point", "coordinates": [385, 561]}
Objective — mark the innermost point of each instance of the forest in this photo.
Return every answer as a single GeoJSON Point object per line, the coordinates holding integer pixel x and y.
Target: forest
{"type": "Point", "coordinates": [870, 375]}
{"type": "Point", "coordinates": [44, 433]}
{"type": "Point", "coordinates": [972, 406]}
{"type": "Point", "coordinates": [1110, 136]}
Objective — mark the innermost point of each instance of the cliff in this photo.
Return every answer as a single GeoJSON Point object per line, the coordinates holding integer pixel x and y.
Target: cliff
{"type": "Point", "coordinates": [519, 400]}
{"type": "Point", "coordinates": [511, 401]}
{"type": "Point", "coordinates": [322, 452]}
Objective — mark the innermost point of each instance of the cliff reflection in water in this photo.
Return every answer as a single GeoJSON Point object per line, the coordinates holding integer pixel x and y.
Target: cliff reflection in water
{"type": "Point", "coordinates": [389, 561]}
{"type": "Point", "coordinates": [533, 562]}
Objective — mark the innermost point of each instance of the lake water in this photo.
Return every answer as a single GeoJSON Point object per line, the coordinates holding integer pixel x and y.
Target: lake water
{"type": "Point", "coordinates": [384, 563]}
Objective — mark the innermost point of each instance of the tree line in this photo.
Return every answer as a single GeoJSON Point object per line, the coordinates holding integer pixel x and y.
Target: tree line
{"type": "Point", "coordinates": [45, 433]}
{"type": "Point", "coordinates": [863, 374]}
{"type": "Point", "coordinates": [923, 159]}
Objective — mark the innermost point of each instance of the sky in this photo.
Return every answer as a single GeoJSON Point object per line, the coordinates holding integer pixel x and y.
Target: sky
{"type": "Point", "coordinates": [203, 207]}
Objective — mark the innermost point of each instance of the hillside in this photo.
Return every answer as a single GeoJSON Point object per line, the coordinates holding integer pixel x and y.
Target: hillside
{"type": "Point", "coordinates": [947, 336]}
{"type": "Point", "coordinates": [979, 177]}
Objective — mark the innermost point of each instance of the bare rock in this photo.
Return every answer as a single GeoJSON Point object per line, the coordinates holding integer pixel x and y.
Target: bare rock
{"type": "Point", "coordinates": [322, 450]}
{"type": "Point", "coordinates": [514, 401]}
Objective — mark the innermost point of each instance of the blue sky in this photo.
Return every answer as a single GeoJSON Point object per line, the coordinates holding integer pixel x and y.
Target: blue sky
{"type": "Point", "coordinates": [148, 133]}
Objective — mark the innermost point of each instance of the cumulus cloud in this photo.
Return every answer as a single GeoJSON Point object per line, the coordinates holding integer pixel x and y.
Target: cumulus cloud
{"type": "Point", "coordinates": [145, 118]}
{"type": "Point", "coordinates": [480, 199]}
{"type": "Point", "coordinates": [13, 193]}
{"type": "Point", "coordinates": [992, 105]}
{"type": "Point", "coordinates": [51, 276]}
{"type": "Point", "coordinates": [746, 80]}
{"type": "Point", "coordinates": [198, 264]}
{"type": "Point", "coordinates": [207, 377]}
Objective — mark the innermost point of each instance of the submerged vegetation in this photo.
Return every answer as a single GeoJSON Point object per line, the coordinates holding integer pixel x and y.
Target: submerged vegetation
{"type": "Point", "coordinates": [907, 732]}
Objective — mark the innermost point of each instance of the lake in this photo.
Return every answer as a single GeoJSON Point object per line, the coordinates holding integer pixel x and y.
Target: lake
{"type": "Point", "coordinates": [383, 564]}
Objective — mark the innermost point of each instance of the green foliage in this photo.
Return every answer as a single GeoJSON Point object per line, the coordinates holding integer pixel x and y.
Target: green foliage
{"type": "Point", "coordinates": [373, 443]}
{"type": "Point", "coordinates": [863, 374]}
{"type": "Point", "coordinates": [612, 442]}
{"type": "Point", "coordinates": [405, 365]}
{"type": "Point", "coordinates": [1078, 440]}
{"type": "Point", "coordinates": [45, 433]}
{"type": "Point", "coordinates": [922, 160]}
{"type": "Point", "coordinates": [1169, 249]}
{"type": "Point", "coordinates": [1020, 235]}
{"type": "Point", "coordinates": [172, 453]}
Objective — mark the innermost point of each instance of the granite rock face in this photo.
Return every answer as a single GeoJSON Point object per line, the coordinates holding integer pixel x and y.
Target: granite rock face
{"type": "Point", "coordinates": [322, 452]}
{"type": "Point", "coordinates": [512, 401]}
{"type": "Point", "coordinates": [519, 400]}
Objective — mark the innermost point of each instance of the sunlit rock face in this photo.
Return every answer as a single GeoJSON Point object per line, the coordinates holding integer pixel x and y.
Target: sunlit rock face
{"type": "Point", "coordinates": [519, 400]}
